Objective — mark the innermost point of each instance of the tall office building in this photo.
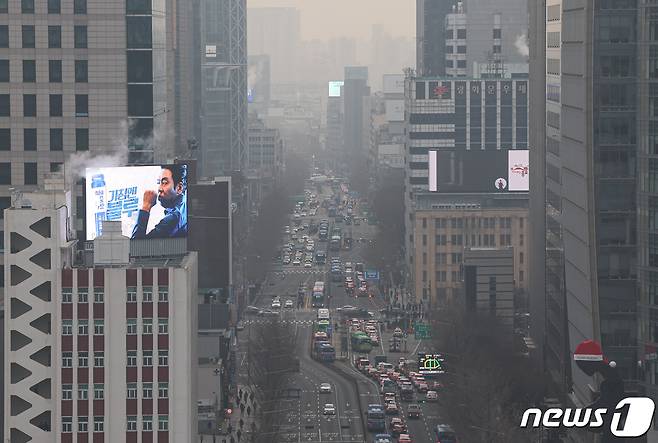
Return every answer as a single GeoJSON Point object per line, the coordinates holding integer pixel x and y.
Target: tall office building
{"type": "Point", "coordinates": [96, 351]}
{"type": "Point", "coordinates": [223, 99]}
{"type": "Point", "coordinates": [276, 32]}
{"type": "Point", "coordinates": [430, 36]}
{"type": "Point", "coordinates": [601, 193]}
{"type": "Point", "coordinates": [486, 38]}
{"type": "Point", "coordinates": [355, 90]}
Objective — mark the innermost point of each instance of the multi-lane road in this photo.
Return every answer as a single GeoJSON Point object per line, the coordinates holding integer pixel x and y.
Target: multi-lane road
{"type": "Point", "coordinates": [302, 419]}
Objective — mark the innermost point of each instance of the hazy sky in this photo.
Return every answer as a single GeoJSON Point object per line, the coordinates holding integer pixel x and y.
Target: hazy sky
{"type": "Point", "coordinates": [352, 18]}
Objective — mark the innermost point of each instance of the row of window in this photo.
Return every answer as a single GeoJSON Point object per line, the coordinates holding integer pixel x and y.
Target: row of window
{"type": "Point", "coordinates": [99, 326]}
{"type": "Point", "coordinates": [131, 295]}
{"type": "Point", "coordinates": [55, 105]}
{"type": "Point", "coordinates": [475, 240]}
{"type": "Point", "coordinates": [28, 36]}
{"type": "Point", "coordinates": [5, 176]}
{"type": "Point", "coordinates": [460, 64]}
{"type": "Point", "coordinates": [475, 222]}
{"type": "Point", "coordinates": [30, 140]}
{"type": "Point", "coordinates": [99, 391]}
{"type": "Point", "coordinates": [131, 423]}
{"type": "Point", "coordinates": [54, 6]}
{"type": "Point", "coordinates": [81, 70]}
{"type": "Point", "coordinates": [99, 359]}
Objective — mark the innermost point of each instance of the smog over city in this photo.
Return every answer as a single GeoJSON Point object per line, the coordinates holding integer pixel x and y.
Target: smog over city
{"type": "Point", "coordinates": [346, 221]}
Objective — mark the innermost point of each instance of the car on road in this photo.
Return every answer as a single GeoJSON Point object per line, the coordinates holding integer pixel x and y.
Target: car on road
{"type": "Point", "coordinates": [252, 309]}
{"type": "Point", "coordinates": [392, 408]}
{"type": "Point", "coordinates": [383, 438]}
{"type": "Point", "coordinates": [296, 262]}
{"type": "Point", "coordinates": [413, 411]}
{"type": "Point", "coordinates": [404, 438]}
{"type": "Point", "coordinates": [286, 260]}
{"type": "Point", "coordinates": [421, 387]}
{"type": "Point", "coordinates": [397, 426]}
{"type": "Point", "coordinates": [276, 304]}
{"type": "Point", "coordinates": [240, 326]}
{"type": "Point", "coordinates": [308, 264]}
{"type": "Point", "coordinates": [329, 409]}
{"type": "Point", "coordinates": [325, 388]}
{"type": "Point", "coordinates": [431, 396]}
{"type": "Point", "coordinates": [267, 313]}
{"type": "Point", "coordinates": [445, 434]}
{"type": "Point", "coordinates": [289, 304]}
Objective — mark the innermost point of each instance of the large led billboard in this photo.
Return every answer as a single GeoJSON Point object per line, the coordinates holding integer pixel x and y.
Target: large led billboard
{"type": "Point", "coordinates": [475, 170]}
{"type": "Point", "coordinates": [334, 88]}
{"type": "Point", "coordinates": [430, 363]}
{"type": "Point", "coordinates": [150, 201]}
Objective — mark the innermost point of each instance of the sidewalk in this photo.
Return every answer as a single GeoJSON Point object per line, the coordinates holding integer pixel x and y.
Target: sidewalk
{"type": "Point", "coordinates": [242, 423]}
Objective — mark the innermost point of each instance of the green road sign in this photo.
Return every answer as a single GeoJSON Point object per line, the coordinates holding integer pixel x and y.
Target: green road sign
{"type": "Point", "coordinates": [422, 330]}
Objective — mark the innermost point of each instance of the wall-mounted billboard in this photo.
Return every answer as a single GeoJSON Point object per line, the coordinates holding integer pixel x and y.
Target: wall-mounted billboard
{"type": "Point", "coordinates": [150, 201]}
{"type": "Point", "coordinates": [334, 88]}
{"type": "Point", "coordinates": [490, 170]}
{"type": "Point", "coordinates": [518, 163]}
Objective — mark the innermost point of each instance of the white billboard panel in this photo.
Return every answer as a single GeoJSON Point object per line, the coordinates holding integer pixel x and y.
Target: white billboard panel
{"type": "Point", "coordinates": [393, 83]}
{"type": "Point", "coordinates": [432, 171]}
{"type": "Point", "coordinates": [395, 110]}
{"type": "Point", "coordinates": [518, 170]}
{"type": "Point", "coordinates": [334, 88]}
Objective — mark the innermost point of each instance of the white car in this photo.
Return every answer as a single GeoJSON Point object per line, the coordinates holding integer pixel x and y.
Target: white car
{"type": "Point", "coordinates": [431, 396]}
{"type": "Point", "coordinates": [325, 388]}
{"type": "Point", "coordinates": [329, 409]}
{"type": "Point", "coordinates": [308, 264]}
{"type": "Point", "coordinates": [288, 304]}
{"type": "Point", "coordinates": [296, 262]}
{"type": "Point", "coordinates": [276, 304]}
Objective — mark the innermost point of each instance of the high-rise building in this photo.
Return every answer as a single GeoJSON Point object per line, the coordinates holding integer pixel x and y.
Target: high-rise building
{"type": "Point", "coordinates": [355, 90]}
{"type": "Point", "coordinates": [98, 351]}
{"type": "Point", "coordinates": [276, 32]}
{"type": "Point", "coordinates": [486, 36]}
{"type": "Point", "coordinates": [223, 99]}
{"type": "Point", "coordinates": [600, 262]}
{"type": "Point", "coordinates": [430, 36]}
{"type": "Point", "coordinates": [265, 158]}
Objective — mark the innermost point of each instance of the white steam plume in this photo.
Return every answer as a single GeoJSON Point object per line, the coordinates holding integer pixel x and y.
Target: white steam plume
{"type": "Point", "coordinates": [521, 44]}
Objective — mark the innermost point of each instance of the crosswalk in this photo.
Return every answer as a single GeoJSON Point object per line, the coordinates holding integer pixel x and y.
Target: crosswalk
{"type": "Point", "coordinates": [301, 271]}
{"type": "Point", "coordinates": [263, 321]}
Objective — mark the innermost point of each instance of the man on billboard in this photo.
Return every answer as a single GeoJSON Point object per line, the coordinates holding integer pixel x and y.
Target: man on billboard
{"type": "Point", "coordinates": [172, 195]}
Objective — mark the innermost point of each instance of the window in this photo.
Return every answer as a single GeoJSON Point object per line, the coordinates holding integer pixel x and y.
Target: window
{"type": "Point", "coordinates": [81, 71]}
{"type": "Point", "coordinates": [131, 326]}
{"type": "Point", "coordinates": [99, 295]}
{"type": "Point", "coordinates": [147, 390]}
{"type": "Point", "coordinates": [27, 6]}
{"type": "Point", "coordinates": [147, 358]}
{"type": "Point", "coordinates": [140, 66]}
{"type": "Point", "coordinates": [67, 424]}
{"type": "Point", "coordinates": [56, 166]}
{"type": "Point", "coordinates": [449, 49]}
{"type": "Point", "coordinates": [461, 49]}
{"type": "Point", "coordinates": [4, 6]}
{"type": "Point", "coordinates": [163, 293]}
{"type": "Point", "coordinates": [131, 390]}
{"type": "Point", "coordinates": [497, 33]}
{"type": "Point", "coordinates": [147, 423]}
{"type": "Point", "coordinates": [163, 326]}
{"type": "Point", "coordinates": [138, 7]}
{"type": "Point", "coordinates": [81, 105]}
{"type": "Point", "coordinates": [147, 326]}
{"type": "Point", "coordinates": [5, 173]}
{"type": "Point", "coordinates": [4, 105]}
{"type": "Point", "coordinates": [57, 144]}
{"type": "Point", "coordinates": [54, 37]}
{"type": "Point", "coordinates": [83, 327]}
{"type": "Point", "coordinates": [55, 71]}
{"type": "Point", "coordinates": [163, 390]}
{"type": "Point", "coordinates": [132, 359]}
{"type": "Point", "coordinates": [67, 327]}
{"type": "Point", "coordinates": [131, 423]}
{"type": "Point", "coordinates": [139, 32]}
{"type": "Point", "coordinates": [83, 391]}
{"type": "Point", "coordinates": [521, 257]}
{"type": "Point", "coordinates": [99, 391]}
{"type": "Point", "coordinates": [497, 49]}
{"type": "Point", "coordinates": [4, 71]}
{"type": "Point", "coordinates": [131, 294]}
{"type": "Point", "coordinates": [79, 36]}
{"type": "Point", "coordinates": [520, 275]}
{"type": "Point", "coordinates": [79, 6]}
{"type": "Point", "coordinates": [163, 422]}
{"type": "Point", "coordinates": [54, 6]}
{"type": "Point", "coordinates": [30, 173]}
{"type": "Point", "coordinates": [83, 359]}
{"type": "Point", "coordinates": [67, 295]}
{"type": "Point", "coordinates": [67, 359]}
{"type": "Point", "coordinates": [140, 100]}
{"type": "Point", "coordinates": [99, 359]}
{"type": "Point", "coordinates": [5, 139]}
{"type": "Point", "coordinates": [27, 35]}
{"type": "Point", "coordinates": [99, 424]}
{"type": "Point", "coordinates": [82, 139]}
{"type": "Point", "coordinates": [163, 358]}
{"type": "Point", "coordinates": [4, 36]}
{"type": "Point", "coordinates": [521, 223]}
{"type": "Point", "coordinates": [461, 64]}
{"type": "Point", "coordinates": [147, 295]}
{"type": "Point", "coordinates": [29, 139]}
{"type": "Point", "coordinates": [56, 107]}
{"type": "Point", "coordinates": [461, 33]}
{"type": "Point", "coordinates": [67, 392]}
{"type": "Point", "coordinates": [29, 105]}
{"type": "Point", "coordinates": [82, 424]}
{"type": "Point", "coordinates": [521, 240]}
